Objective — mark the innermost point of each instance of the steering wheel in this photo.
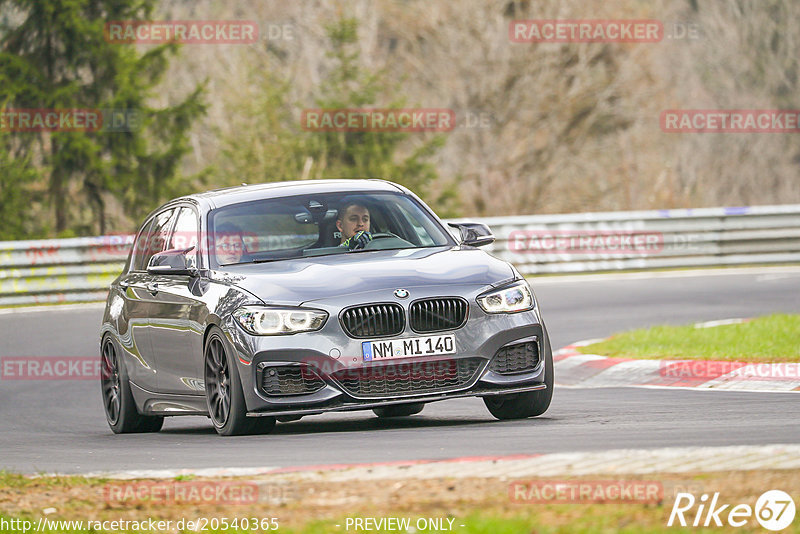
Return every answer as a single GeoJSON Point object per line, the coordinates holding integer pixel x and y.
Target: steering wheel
{"type": "Point", "coordinates": [383, 235]}
{"type": "Point", "coordinates": [402, 243]}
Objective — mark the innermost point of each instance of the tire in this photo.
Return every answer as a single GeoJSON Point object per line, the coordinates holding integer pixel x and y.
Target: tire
{"type": "Point", "coordinates": [121, 413]}
{"type": "Point", "coordinates": [224, 396]}
{"type": "Point", "coordinates": [528, 404]}
{"type": "Point", "coordinates": [400, 410]}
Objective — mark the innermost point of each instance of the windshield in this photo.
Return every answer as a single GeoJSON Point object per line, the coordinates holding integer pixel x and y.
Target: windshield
{"type": "Point", "coordinates": [320, 225]}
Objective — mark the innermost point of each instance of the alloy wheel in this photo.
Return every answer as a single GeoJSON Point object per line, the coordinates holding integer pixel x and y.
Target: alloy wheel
{"type": "Point", "coordinates": [111, 382]}
{"type": "Point", "coordinates": [218, 382]}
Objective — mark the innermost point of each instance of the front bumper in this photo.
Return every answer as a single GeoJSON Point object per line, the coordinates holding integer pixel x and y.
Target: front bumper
{"type": "Point", "coordinates": [477, 342]}
{"type": "Point", "coordinates": [341, 405]}
{"type": "Point", "coordinates": [329, 352]}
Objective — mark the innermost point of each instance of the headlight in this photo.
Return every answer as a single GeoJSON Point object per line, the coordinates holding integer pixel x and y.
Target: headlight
{"type": "Point", "coordinates": [262, 321]}
{"type": "Point", "coordinates": [509, 299]}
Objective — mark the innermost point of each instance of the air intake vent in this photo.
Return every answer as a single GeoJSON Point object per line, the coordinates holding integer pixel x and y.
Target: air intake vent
{"type": "Point", "coordinates": [517, 358]}
{"type": "Point", "coordinates": [373, 320]}
{"type": "Point", "coordinates": [289, 380]}
{"type": "Point", "coordinates": [439, 314]}
{"type": "Point", "coordinates": [409, 378]}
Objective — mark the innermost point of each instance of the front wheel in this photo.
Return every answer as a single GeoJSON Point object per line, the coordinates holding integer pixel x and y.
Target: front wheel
{"type": "Point", "coordinates": [118, 403]}
{"type": "Point", "coordinates": [528, 404]}
{"type": "Point", "coordinates": [224, 397]}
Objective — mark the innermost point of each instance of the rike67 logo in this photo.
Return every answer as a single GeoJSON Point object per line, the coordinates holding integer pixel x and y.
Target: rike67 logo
{"type": "Point", "coordinates": [774, 510]}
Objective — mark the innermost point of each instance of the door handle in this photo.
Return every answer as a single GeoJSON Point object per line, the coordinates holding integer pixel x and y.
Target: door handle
{"type": "Point", "coordinates": [152, 287]}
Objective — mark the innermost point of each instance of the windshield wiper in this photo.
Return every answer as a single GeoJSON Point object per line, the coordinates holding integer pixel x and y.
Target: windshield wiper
{"type": "Point", "coordinates": [251, 261]}
{"type": "Point", "coordinates": [268, 260]}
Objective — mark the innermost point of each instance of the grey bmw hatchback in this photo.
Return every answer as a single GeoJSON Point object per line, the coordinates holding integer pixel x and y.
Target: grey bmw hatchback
{"type": "Point", "coordinates": [266, 303]}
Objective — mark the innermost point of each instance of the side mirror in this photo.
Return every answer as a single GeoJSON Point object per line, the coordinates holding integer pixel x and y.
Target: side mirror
{"type": "Point", "coordinates": [172, 262]}
{"type": "Point", "coordinates": [474, 234]}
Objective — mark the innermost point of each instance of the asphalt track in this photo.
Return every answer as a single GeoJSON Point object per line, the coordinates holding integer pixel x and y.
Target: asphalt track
{"type": "Point", "coordinates": [58, 426]}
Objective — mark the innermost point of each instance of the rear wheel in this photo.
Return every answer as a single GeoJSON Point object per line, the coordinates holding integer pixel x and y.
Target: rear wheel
{"type": "Point", "coordinates": [531, 403]}
{"type": "Point", "coordinates": [224, 396]}
{"type": "Point", "coordinates": [118, 403]}
{"type": "Point", "coordinates": [400, 410]}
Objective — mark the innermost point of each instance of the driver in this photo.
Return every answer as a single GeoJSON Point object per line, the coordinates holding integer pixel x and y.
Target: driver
{"type": "Point", "coordinates": [353, 223]}
{"type": "Point", "coordinates": [229, 245]}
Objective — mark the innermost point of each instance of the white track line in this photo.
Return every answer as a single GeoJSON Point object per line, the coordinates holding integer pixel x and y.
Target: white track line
{"type": "Point", "coordinates": [55, 307]}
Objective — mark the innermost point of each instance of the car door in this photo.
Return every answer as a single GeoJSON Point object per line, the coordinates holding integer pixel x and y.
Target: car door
{"type": "Point", "coordinates": [134, 326]}
{"type": "Point", "coordinates": [177, 317]}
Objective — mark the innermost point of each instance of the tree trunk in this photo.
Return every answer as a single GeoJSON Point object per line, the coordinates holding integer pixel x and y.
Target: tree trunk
{"type": "Point", "coordinates": [57, 191]}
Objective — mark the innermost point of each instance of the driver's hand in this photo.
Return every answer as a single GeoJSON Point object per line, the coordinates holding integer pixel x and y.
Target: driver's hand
{"type": "Point", "coordinates": [358, 241]}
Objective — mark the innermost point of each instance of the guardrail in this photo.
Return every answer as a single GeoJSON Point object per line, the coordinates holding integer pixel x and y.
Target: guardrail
{"type": "Point", "coordinates": [615, 241]}
{"type": "Point", "coordinates": [80, 269]}
{"type": "Point", "coordinates": [60, 270]}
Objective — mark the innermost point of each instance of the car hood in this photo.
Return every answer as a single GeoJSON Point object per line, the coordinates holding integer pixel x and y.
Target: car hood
{"type": "Point", "coordinates": [307, 279]}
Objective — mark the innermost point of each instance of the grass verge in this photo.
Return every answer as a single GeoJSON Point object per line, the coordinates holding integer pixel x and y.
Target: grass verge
{"type": "Point", "coordinates": [475, 505]}
{"type": "Point", "coordinates": [773, 338]}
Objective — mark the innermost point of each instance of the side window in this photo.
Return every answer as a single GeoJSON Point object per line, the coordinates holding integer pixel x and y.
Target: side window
{"type": "Point", "coordinates": [140, 246]}
{"type": "Point", "coordinates": [279, 230]}
{"type": "Point", "coordinates": [413, 220]}
{"type": "Point", "coordinates": [184, 235]}
{"type": "Point", "coordinates": [156, 239]}
{"type": "Point", "coordinates": [378, 220]}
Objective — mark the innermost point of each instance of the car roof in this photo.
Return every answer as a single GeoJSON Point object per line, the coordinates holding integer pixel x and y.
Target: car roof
{"type": "Point", "coordinates": [231, 195]}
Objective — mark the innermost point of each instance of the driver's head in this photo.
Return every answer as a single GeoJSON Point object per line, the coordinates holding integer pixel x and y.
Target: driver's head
{"type": "Point", "coordinates": [353, 218]}
{"type": "Point", "coordinates": [229, 245]}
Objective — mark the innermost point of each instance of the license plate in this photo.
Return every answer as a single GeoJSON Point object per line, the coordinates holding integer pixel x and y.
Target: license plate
{"type": "Point", "coordinates": [406, 348]}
